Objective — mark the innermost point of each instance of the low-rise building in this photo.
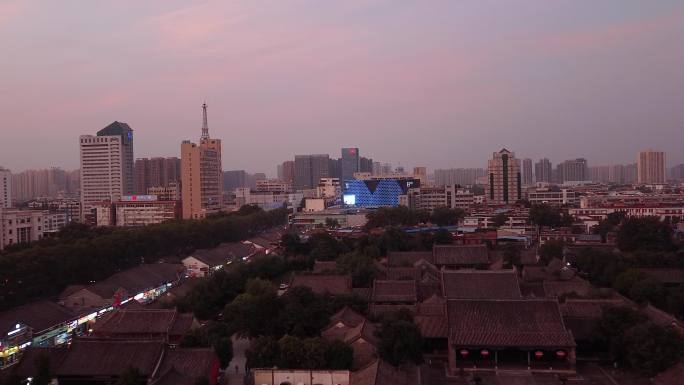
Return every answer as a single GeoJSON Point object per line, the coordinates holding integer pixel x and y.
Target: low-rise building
{"type": "Point", "coordinates": [137, 210]}
{"type": "Point", "coordinates": [21, 226]}
{"type": "Point", "coordinates": [203, 262]}
{"type": "Point", "coordinates": [554, 198]}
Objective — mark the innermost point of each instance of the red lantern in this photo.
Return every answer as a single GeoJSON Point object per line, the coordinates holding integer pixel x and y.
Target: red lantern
{"type": "Point", "coordinates": [538, 354]}
{"type": "Point", "coordinates": [464, 353]}
{"type": "Point", "coordinates": [561, 354]}
{"type": "Point", "coordinates": [484, 353]}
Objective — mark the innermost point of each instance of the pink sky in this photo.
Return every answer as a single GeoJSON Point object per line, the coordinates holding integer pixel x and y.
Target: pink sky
{"type": "Point", "coordinates": [434, 83]}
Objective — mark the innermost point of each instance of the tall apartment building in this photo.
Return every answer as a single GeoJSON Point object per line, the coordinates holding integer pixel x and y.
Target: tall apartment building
{"type": "Point", "coordinates": [365, 165]}
{"type": "Point", "coordinates": [527, 176]}
{"type": "Point", "coordinates": [5, 188]}
{"type": "Point", "coordinates": [106, 165]}
{"type": "Point", "coordinates": [201, 175]}
{"type": "Point", "coordinates": [600, 174]}
{"type": "Point", "coordinates": [155, 172]}
{"type": "Point", "coordinates": [651, 167]}
{"type": "Point", "coordinates": [574, 170]}
{"type": "Point", "coordinates": [459, 176]}
{"type": "Point", "coordinates": [543, 171]}
{"type": "Point", "coordinates": [677, 172]}
{"type": "Point", "coordinates": [32, 184]}
{"type": "Point", "coordinates": [309, 169]}
{"type": "Point", "coordinates": [350, 163]}
{"type": "Point", "coordinates": [504, 179]}
{"type": "Point", "coordinates": [286, 171]}
{"type": "Point", "coordinates": [335, 168]}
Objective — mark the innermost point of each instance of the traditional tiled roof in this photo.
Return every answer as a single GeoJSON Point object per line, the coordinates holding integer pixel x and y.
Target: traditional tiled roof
{"type": "Point", "coordinates": [671, 376]}
{"type": "Point", "coordinates": [193, 363]}
{"type": "Point", "coordinates": [322, 283]}
{"type": "Point", "coordinates": [136, 280]}
{"type": "Point", "coordinates": [480, 284]}
{"type": "Point", "coordinates": [173, 377]}
{"type": "Point", "coordinates": [223, 253]}
{"type": "Point", "coordinates": [143, 323]}
{"type": "Point", "coordinates": [28, 365]}
{"type": "Point", "coordinates": [346, 316]}
{"type": "Point", "coordinates": [587, 308]}
{"type": "Point", "coordinates": [378, 310]}
{"type": "Point", "coordinates": [324, 267]}
{"type": "Point", "coordinates": [381, 373]}
{"type": "Point", "coordinates": [407, 258]}
{"type": "Point", "coordinates": [504, 323]}
{"type": "Point", "coordinates": [110, 358]}
{"type": "Point", "coordinates": [432, 326]}
{"type": "Point", "coordinates": [665, 275]}
{"type": "Point", "coordinates": [39, 315]}
{"type": "Point", "coordinates": [460, 255]}
{"type": "Point", "coordinates": [403, 273]}
{"type": "Point", "coordinates": [558, 288]}
{"type": "Point", "coordinates": [394, 291]}
{"type": "Point", "coordinates": [362, 292]}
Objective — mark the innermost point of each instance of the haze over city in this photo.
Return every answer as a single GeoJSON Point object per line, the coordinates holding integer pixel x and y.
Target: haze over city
{"type": "Point", "coordinates": [438, 84]}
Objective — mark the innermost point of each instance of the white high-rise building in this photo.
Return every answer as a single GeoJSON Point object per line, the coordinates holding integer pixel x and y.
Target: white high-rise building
{"type": "Point", "coordinates": [5, 188]}
{"type": "Point", "coordinates": [504, 185]}
{"type": "Point", "coordinates": [106, 166]}
{"type": "Point", "coordinates": [651, 167]}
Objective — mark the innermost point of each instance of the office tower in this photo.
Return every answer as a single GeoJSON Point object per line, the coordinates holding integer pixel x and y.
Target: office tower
{"type": "Point", "coordinates": [599, 174]}
{"type": "Point", "coordinates": [651, 167]}
{"type": "Point", "coordinates": [155, 172]}
{"type": "Point", "coordinates": [309, 169]}
{"type": "Point", "coordinates": [365, 164]}
{"type": "Point", "coordinates": [5, 188]}
{"type": "Point", "coordinates": [677, 172]}
{"type": "Point", "coordinates": [334, 168]}
{"type": "Point", "coordinates": [201, 174]}
{"type": "Point", "coordinates": [420, 173]}
{"type": "Point", "coordinates": [504, 184]}
{"type": "Point", "coordinates": [350, 163]}
{"type": "Point", "coordinates": [458, 176]}
{"type": "Point", "coordinates": [287, 173]}
{"type": "Point", "coordinates": [543, 171]}
{"type": "Point", "coordinates": [233, 179]}
{"type": "Point", "coordinates": [574, 170]}
{"type": "Point", "coordinates": [528, 177]}
{"type": "Point", "coordinates": [106, 165]}
{"type": "Point", "coordinates": [253, 179]}
{"type": "Point", "coordinates": [617, 174]}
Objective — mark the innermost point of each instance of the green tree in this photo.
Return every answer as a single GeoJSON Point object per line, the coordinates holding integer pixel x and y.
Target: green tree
{"type": "Point", "coordinates": [551, 250]}
{"type": "Point", "coordinates": [131, 376]}
{"type": "Point", "coordinates": [339, 356]}
{"type": "Point", "coordinates": [614, 323]}
{"type": "Point", "coordinates": [400, 341]}
{"type": "Point", "coordinates": [332, 223]}
{"type": "Point", "coordinates": [263, 352]}
{"type": "Point", "coordinates": [443, 216]}
{"type": "Point", "coordinates": [647, 233]}
{"type": "Point", "coordinates": [304, 313]}
{"type": "Point", "coordinates": [626, 280]}
{"type": "Point", "coordinates": [499, 219]}
{"type": "Point", "coordinates": [251, 314]}
{"type": "Point", "coordinates": [651, 349]}
{"type": "Point", "coordinates": [361, 267]}
{"type": "Point", "coordinates": [648, 290]}
{"type": "Point", "coordinates": [223, 347]}
{"type": "Point", "coordinates": [443, 237]}
{"type": "Point", "coordinates": [324, 247]}
{"type": "Point", "coordinates": [511, 255]}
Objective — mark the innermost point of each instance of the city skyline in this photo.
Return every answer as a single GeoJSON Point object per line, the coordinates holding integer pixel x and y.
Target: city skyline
{"type": "Point", "coordinates": [444, 96]}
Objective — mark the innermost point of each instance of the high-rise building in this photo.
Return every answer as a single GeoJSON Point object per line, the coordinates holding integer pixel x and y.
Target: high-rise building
{"type": "Point", "coordinates": [458, 176]}
{"type": "Point", "coordinates": [528, 177]}
{"type": "Point", "coordinates": [543, 171]}
{"type": "Point", "coordinates": [630, 173]}
{"type": "Point", "coordinates": [350, 163]}
{"type": "Point", "coordinates": [651, 167]}
{"type": "Point", "coordinates": [155, 172]}
{"type": "Point", "coordinates": [5, 188]}
{"type": "Point", "coordinates": [201, 175]}
{"type": "Point", "coordinates": [334, 168]}
{"type": "Point", "coordinates": [106, 165]}
{"type": "Point", "coordinates": [574, 170]}
{"type": "Point", "coordinates": [420, 173]}
{"type": "Point", "coordinates": [309, 169]}
{"type": "Point", "coordinates": [600, 174]}
{"type": "Point", "coordinates": [233, 179]}
{"type": "Point", "coordinates": [677, 172]}
{"type": "Point", "coordinates": [286, 171]}
{"type": "Point", "coordinates": [365, 165]}
{"type": "Point", "coordinates": [505, 183]}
